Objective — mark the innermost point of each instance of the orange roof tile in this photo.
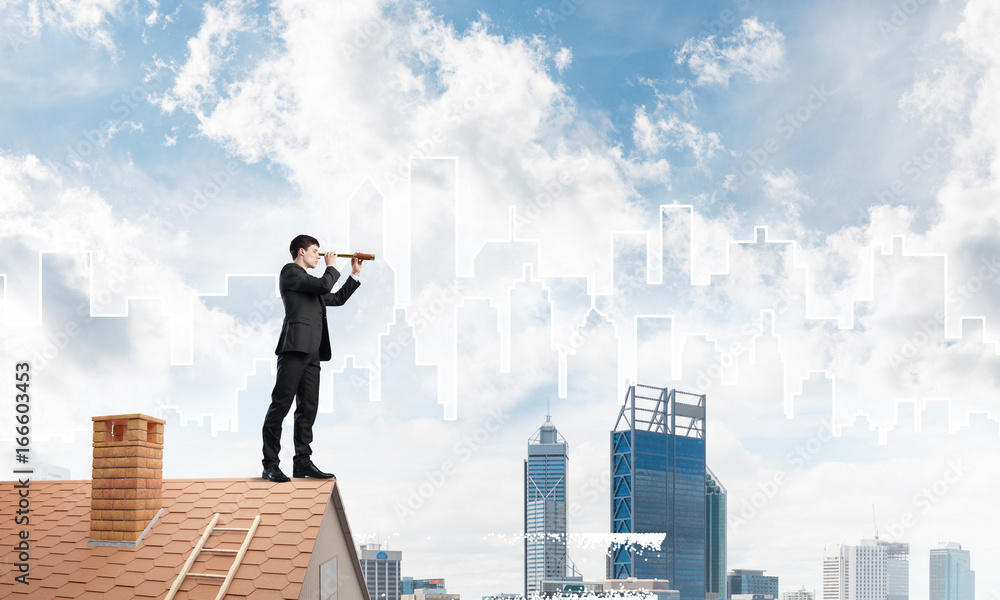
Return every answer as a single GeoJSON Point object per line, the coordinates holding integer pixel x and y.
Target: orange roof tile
{"type": "Point", "coordinates": [64, 565]}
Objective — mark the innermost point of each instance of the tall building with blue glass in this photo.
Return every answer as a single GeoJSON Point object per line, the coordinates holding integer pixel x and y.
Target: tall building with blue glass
{"type": "Point", "coordinates": [545, 508]}
{"type": "Point", "coordinates": [715, 535]}
{"type": "Point", "coordinates": [658, 485]}
{"type": "Point", "coordinates": [951, 576]}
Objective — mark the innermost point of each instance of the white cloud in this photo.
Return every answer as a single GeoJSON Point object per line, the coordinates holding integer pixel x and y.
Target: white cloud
{"type": "Point", "coordinates": [653, 134]}
{"type": "Point", "coordinates": [154, 15]}
{"type": "Point", "coordinates": [88, 19]}
{"type": "Point", "coordinates": [937, 98]}
{"type": "Point", "coordinates": [756, 49]}
{"type": "Point", "coordinates": [16, 173]}
{"type": "Point", "coordinates": [195, 81]}
{"type": "Point", "coordinates": [683, 101]}
{"type": "Point", "coordinates": [783, 190]}
{"type": "Point", "coordinates": [563, 58]}
{"type": "Point", "coordinates": [664, 127]}
{"type": "Point", "coordinates": [653, 171]}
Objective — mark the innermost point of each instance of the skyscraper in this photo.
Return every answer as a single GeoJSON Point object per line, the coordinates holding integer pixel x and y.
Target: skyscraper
{"type": "Point", "coordinates": [545, 507]}
{"type": "Point", "coordinates": [951, 576]}
{"type": "Point", "coordinates": [897, 569]}
{"type": "Point", "coordinates": [658, 485]}
{"type": "Point", "coordinates": [381, 569]}
{"type": "Point", "coordinates": [855, 572]}
{"type": "Point", "coordinates": [715, 535]}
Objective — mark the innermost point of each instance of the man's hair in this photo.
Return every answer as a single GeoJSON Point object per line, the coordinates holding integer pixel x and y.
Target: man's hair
{"type": "Point", "coordinates": [301, 241]}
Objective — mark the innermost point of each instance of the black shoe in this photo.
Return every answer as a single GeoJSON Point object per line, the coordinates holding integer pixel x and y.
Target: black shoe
{"type": "Point", "coordinates": [274, 474]}
{"type": "Point", "coordinates": [310, 470]}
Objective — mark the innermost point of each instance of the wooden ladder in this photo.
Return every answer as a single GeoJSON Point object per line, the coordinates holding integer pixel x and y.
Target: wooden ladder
{"type": "Point", "coordinates": [200, 547]}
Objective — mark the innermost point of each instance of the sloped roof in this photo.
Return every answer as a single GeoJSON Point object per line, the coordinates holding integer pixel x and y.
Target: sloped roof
{"type": "Point", "coordinates": [63, 565]}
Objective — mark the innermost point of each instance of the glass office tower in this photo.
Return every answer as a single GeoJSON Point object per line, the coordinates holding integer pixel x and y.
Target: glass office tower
{"type": "Point", "coordinates": [715, 535]}
{"type": "Point", "coordinates": [897, 570]}
{"type": "Point", "coordinates": [658, 486]}
{"type": "Point", "coordinates": [951, 577]}
{"type": "Point", "coordinates": [545, 507]}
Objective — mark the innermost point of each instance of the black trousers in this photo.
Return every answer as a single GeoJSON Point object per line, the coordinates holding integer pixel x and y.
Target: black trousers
{"type": "Point", "coordinates": [298, 379]}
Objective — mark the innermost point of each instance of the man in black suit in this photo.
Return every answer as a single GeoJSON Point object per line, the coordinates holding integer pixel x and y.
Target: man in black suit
{"type": "Point", "coordinates": [303, 343]}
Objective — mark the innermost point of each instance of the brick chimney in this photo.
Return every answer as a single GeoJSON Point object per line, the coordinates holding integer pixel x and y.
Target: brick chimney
{"type": "Point", "coordinates": [127, 494]}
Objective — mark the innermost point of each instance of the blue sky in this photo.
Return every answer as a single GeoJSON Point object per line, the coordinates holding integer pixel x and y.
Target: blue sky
{"type": "Point", "coordinates": [788, 207]}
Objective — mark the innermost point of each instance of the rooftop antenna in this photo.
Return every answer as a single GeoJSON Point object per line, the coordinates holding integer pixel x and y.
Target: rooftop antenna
{"type": "Point", "coordinates": [548, 410]}
{"type": "Point", "coordinates": [875, 521]}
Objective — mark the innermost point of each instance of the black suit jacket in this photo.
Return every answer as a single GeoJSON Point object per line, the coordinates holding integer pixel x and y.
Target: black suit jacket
{"type": "Point", "coordinates": [305, 298]}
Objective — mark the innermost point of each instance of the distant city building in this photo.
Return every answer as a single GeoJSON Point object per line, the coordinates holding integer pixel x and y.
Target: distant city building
{"type": "Point", "coordinates": [557, 588]}
{"type": "Point", "coordinates": [855, 572]}
{"type": "Point", "coordinates": [752, 582]}
{"type": "Point", "coordinates": [502, 596]}
{"type": "Point", "coordinates": [611, 588]}
{"type": "Point", "coordinates": [382, 571]}
{"type": "Point", "coordinates": [715, 536]}
{"type": "Point", "coordinates": [798, 595]}
{"type": "Point", "coordinates": [545, 508]}
{"type": "Point", "coordinates": [951, 574]}
{"type": "Point", "coordinates": [659, 588]}
{"type": "Point", "coordinates": [897, 569]}
{"type": "Point", "coordinates": [430, 595]}
{"type": "Point", "coordinates": [658, 486]}
{"type": "Point", "coordinates": [409, 585]}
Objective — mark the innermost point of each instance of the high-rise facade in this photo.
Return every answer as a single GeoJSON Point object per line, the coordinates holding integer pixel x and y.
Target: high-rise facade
{"type": "Point", "coordinates": [715, 535]}
{"type": "Point", "coordinates": [835, 572]}
{"type": "Point", "coordinates": [897, 570]}
{"type": "Point", "coordinates": [951, 574]}
{"type": "Point", "coordinates": [752, 581]}
{"type": "Point", "coordinates": [658, 486]}
{"type": "Point", "coordinates": [855, 572]}
{"type": "Point", "coordinates": [382, 571]}
{"type": "Point", "coordinates": [545, 508]}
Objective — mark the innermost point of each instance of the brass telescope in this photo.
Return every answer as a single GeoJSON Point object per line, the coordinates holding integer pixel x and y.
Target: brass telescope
{"type": "Point", "coordinates": [357, 255]}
